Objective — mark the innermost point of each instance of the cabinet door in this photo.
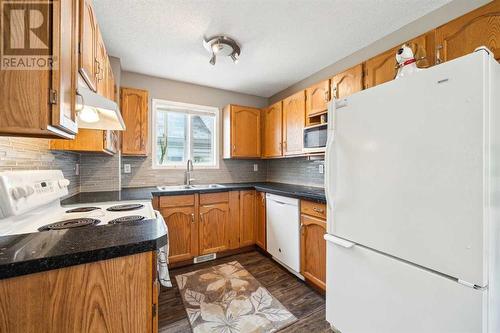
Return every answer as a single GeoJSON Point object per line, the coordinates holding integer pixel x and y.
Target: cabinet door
{"type": "Point", "coordinates": [182, 224]}
{"type": "Point", "coordinates": [313, 250]}
{"type": "Point", "coordinates": [88, 43]}
{"type": "Point", "coordinates": [134, 108]}
{"type": "Point", "coordinates": [317, 97]}
{"type": "Point", "coordinates": [348, 82]}
{"type": "Point", "coordinates": [462, 35]}
{"type": "Point", "coordinates": [64, 80]}
{"type": "Point", "coordinates": [41, 103]}
{"type": "Point", "coordinates": [247, 218]}
{"type": "Point", "coordinates": [260, 202]}
{"type": "Point", "coordinates": [233, 227]}
{"type": "Point", "coordinates": [213, 225]}
{"type": "Point", "coordinates": [273, 117]}
{"type": "Point", "coordinates": [382, 68]}
{"type": "Point", "coordinates": [101, 63]}
{"type": "Point", "coordinates": [245, 131]}
{"type": "Point", "coordinates": [294, 108]}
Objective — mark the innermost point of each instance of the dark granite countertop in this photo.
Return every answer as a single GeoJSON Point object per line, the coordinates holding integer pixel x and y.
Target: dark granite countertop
{"type": "Point", "coordinates": [316, 194]}
{"type": "Point", "coordinates": [43, 251]}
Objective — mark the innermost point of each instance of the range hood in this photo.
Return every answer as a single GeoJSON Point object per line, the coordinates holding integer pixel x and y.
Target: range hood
{"type": "Point", "coordinates": [97, 112]}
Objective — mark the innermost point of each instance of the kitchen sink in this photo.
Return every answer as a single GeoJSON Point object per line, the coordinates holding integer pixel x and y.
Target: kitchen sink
{"type": "Point", "coordinates": [188, 187]}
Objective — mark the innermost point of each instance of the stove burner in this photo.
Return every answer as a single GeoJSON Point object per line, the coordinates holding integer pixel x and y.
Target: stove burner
{"type": "Point", "coordinates": [73, 223]}
{"type": "Point", "coordinates": [82, 209]}
{"type": "Point", "coordinates": [129, 218]}
{"type": "Point", "coordinates": [122, 208]}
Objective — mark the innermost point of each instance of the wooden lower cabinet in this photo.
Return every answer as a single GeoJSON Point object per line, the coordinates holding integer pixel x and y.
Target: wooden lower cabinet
{"type": "Point", "coordinates": [247, 218]}
{"type": "Point", "coordinates": [206, 223]}
{"type": "Point", "coordinates": [313, 249]}
{"type": "Point", "coordinates": [115, 295]}
{"type": "Point", "coordinates": [260, 237]}
{"type": "Point", "coordinates": [214, 219]}
{"type": "Point", "coordinates": [182, 231]}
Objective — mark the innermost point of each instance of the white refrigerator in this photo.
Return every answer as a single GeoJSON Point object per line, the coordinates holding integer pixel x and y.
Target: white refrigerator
{"type": "Point", "coordinates": [413, 191]}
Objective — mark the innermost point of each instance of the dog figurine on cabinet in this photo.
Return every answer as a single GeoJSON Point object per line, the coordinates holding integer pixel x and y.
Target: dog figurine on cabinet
{"type": "Point", "coordinates": [406, 62]}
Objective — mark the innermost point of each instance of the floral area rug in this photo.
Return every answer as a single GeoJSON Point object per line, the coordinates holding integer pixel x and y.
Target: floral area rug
{"type": "Point", "coordinates": [228, 299]}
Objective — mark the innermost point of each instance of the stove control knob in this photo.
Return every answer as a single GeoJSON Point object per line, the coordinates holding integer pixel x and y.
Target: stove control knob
{"type": "Point", "coordinates": [63, 183]}
{"type": "Point", "coordinates": [18, 193]}
{"type": "Point", "coordinates": [29, 190]}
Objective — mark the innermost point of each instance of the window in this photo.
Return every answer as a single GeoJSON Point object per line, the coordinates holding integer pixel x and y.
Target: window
{"type": "Point", "coordinates": [183, 132]}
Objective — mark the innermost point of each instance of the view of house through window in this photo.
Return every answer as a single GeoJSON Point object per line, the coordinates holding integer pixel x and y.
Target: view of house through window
{"type": "Point", "coordinates": [184, 132]}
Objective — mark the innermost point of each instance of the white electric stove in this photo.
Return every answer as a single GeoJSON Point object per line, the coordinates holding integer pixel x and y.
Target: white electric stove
{"type": "Point", "coordinates": [30, 202]}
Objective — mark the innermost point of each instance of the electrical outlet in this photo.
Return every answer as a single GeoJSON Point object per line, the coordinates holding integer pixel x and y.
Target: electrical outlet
{"type": "Point", "coordinates": [126, 168]}
{"type": "Point", "coordinates": [255, 167]}
{"type": "Point", "coordinates": [321, 168]}
{"type": "Point", "coordinates": [77, 169]}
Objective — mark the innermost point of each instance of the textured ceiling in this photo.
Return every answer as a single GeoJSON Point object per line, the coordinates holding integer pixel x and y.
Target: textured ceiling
{"type": "Point", "coordinates": [283, 41]}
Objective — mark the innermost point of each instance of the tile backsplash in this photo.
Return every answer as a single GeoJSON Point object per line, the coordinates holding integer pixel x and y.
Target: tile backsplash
{"type": "Point", "coordinates": [297, 170]}
{"type": "Point", "coordinates": [230, 171]}
{"type": "Point", "coordinates": [34, 154]}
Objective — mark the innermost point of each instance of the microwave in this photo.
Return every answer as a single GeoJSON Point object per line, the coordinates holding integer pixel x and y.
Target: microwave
{"type": "Point", "coordinates": [315, 138]}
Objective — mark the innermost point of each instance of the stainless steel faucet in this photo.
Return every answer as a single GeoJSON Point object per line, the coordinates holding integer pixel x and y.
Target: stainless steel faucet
{"type": "Point", "coordinates": [187, 174]}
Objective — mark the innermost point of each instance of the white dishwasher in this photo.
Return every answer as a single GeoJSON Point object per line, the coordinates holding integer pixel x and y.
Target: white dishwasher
{"type": "Point", "coordinates": [283, 230]}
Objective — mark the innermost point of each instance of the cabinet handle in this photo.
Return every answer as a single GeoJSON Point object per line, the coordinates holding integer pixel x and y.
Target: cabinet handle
{"type": "Point", "coordinates": [201, 217]}
{"type": "Point", "coordinates": [284, 146]}
{"type": "Point", "coordinates": [280, 147]}
{"type": "Point", "coordinates": [438, 54]}
{"type": "Point", "coordinates": [335, 92]}
{"type": "Point", "coordinates": [302, 228]}
{"type": "Point", "coordinates": [234, 148]}
{"type": "Point", "coordinates": [192, 218]}
{"type": "Point", "coordinates": [318, 210]}
{"type": "Point", "coordinates": [327, 97]}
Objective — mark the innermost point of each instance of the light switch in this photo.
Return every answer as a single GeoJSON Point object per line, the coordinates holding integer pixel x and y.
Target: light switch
{"type": "Point", "coordinates": [126, 168]}
{"type": "Point", "coordinates": [255, 167]}
{"type": "Point", "coordinates": [77, 169]}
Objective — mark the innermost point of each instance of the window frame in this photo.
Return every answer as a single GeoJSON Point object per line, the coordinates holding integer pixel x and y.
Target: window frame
{"type": "Point", "coordinates": [186, 108]}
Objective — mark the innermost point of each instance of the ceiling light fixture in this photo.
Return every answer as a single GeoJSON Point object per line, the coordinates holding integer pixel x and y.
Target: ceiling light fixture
{"type": "Point", "coordinates": [222, 46]}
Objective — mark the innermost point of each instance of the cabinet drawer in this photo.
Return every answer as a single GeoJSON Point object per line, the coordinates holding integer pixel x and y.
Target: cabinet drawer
{"type": "Point", "coordinates": [313, 209]}
{"type": "Point", "coordinates": [177, 200]}
{"type": "Point", "coordinates": [210, 198]}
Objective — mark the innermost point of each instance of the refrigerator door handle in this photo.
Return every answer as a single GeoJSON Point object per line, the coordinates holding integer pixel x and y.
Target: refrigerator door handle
{"type": "Point", "coordinates": [338, 241]}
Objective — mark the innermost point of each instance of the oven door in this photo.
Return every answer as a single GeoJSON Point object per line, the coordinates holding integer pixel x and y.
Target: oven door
{"type": "Point", "coordinates": [315, 138]}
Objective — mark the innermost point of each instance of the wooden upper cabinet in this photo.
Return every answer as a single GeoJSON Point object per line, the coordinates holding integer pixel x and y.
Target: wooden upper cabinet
{"type": "Point", "coordinates": [102, 63]}
{"type": "Point", "coordinates": [260, 237]}
{"type": "Point", "coordinates": [272, 132]}
{"type": "Point", "coordinates": [348, 82]}
{"type": "Point", "coordinates": [317, 98]}
{"type": "Point", "coordinates": [41, 103]}
{"type": "Point", "coordinates": [88, 44]}
{"type": "Point", "coordinates": [134, 108]}
{"type": "Point", "coordinates": [382, 68]}
{"type": "Point", "coordinates": [241, 132]}
{"type": "Point", "coordinates": [214, 219]}
{"type": "Point", "coordinates": [182, 223]}
{"type": "Point", "coordinates": [464, 34]}
{"type": "Point", "coordinates": [247, 218]}
{"type": "Point", "coordinates": [313, 250]}
{"type": "Point", "coordinates": [294, 109]}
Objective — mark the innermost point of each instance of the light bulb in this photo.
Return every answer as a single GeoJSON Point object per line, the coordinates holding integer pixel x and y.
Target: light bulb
{"type": "Point", "coordinates": [88, 115]}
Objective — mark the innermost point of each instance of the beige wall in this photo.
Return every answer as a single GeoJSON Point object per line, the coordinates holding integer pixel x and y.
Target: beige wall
{"type": "Point", "coordinates": [442, 15]}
